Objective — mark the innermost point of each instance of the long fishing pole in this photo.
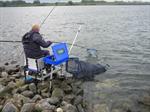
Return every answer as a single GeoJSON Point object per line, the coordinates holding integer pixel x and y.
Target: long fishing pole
{"type": "Point", "coordinates": [47, 16]}
{"type": "Point", "coordinates": [76, 45]}
{"type": "Point", "coordinates": [75, 39]}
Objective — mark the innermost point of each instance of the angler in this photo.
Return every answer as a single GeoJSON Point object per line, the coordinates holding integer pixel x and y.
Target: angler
{"type": "Point", "coordinates": [32, 43]}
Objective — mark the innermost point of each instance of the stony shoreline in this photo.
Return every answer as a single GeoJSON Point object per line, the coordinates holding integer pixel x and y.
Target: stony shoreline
{"type": "Point", "coordinates": [17, 96]}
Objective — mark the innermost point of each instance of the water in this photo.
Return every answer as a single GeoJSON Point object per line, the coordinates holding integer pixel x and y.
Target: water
{"type": "Point", "coordinates": [120, 33]}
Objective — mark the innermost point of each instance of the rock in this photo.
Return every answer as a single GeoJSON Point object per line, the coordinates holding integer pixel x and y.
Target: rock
{"type": "Point", "coordinates": [79, 92]}
{"type": "Point", "coordinates": [45, 95]}
{"type": "Point", "coordinates": [36, 98]}
{"type": "Point", "coordinates": [78, 100]}
{"type": "Point", "coordinates": [2, 69]}
{"type": "Point", "coordinates": [44, 105]}
{"type": "Point", "coordinates": [101, 108]}
{"type": "Point", "coordinates": [57, 92]}
{"type": "Point", "coordinates": [69, 108]}
{"type": "Point", "coordinates": [23, 88]}
{"type": "Point", "coordinates": [28, 107]}
{"type": "Point", "coordinates": [1, 107]}
{"type": "Point", "coordinates": [66, 88]}
{"type": "Point", "coordinates": [4, 75]}
{"type": "Point", "coordinates": [12, 70]}
{"type": "Point", "coordinates": [59, 110]}
{"type": "Point", "coordinates": [32, 87]}
{"type": "Point", "coordinates": [69, 98]}
{"type": "Point", "coordinates": [10, 107]}
{"type": "Point", "coordinates": [18, 75]}
{"type": "Point", "coordinates": [11, 85]}
{"type": "Point", "coordinates": [47, 111]}
{"type": "Point", "coordinates": [53, 101]}
{"type": "Point", "coordinates": [28, 93]}
{"type": "Point", "coordinates": [145, 100]}
{"type": "Point", "coordinates": [20, 99]}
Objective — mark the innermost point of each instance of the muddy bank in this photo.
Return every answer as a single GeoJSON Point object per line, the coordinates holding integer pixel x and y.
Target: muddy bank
{"type": "Point", "coordinates": [17, 96]}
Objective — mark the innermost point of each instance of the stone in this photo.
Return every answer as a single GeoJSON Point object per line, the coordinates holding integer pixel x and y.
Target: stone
{"type": "Point", "coordinates": [47, 111]}
{"type": "Point", "coordinates": [57, 92]}
{"type": "Point", "coordinates": [36, 98]}
{"type": "Point", "coordinates": [20, 99]}
{"type": "Point", "coordinates": [1, 107]}
{"type": "Point", "coordinates": [45, 95]}
{"type": "Point", "coordinates": [69, 108]}
{"type": "Point", "coordinates": [59, 110]}
{"type": "Point", "coordinates": [28, 93]}
{"type": "Point", "coordinates": [11, 85]}
{"type": "Point", "coordinates": [4, 75]}
{"type": "Point", "coordinates": [66, 88]}
{"type": "Point", "coordinates": [69, 98]}
{"type": "Point", "coordinates": [78, 100]}
{"type": "Point", "coordinates": [18, 75]}
{"type": "Point", "coordinates": [44, 105]}
{"type": "Point", "coordinates": [53, 101]}
{"type": "Point", "coordinates": [28, 107]}
{"type": "Point", "coordinates": [32, 87]}
{"type": "Point", "coordinates": [23, 88]}
{"type": "Point", "coordinates": [101, 108]}
{"type": "Point", "coordinates": [145, 100]}
{"type": "Point", "coordinates": [10, 107]}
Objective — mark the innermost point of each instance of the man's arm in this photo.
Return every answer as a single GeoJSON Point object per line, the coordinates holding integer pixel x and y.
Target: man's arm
{"type": "Point", "coordinates": [38, 39]}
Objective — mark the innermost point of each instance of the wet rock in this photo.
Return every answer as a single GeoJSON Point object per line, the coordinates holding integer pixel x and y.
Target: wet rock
{"type": "Point", "coordinates": [47, 111]}
{"type": "Point", "coordinates": [1, 107]}
{"type": "Point", "coordinates": [12, 70]}
{"type": "Point", "coordinates": [28, 107]}
{"type": "Point", "coordinates": [69, 108]}
{"type": "Point", "coordinates": [18, 75]}
{"type": "Point", "coordinates": [20, 99]}
{"type": "Point", "coordinates": [27, 93]}
{"type": "Point", "coordinates": [11, 84]}
{"type": "Point", "coordinates": [53, 101]}
{"type": "Point", "coordinates": [36, 98]}
{"type": "Point", "coordinates": [66, 88]}
{"type": "Point", "coordinates": [145, 100]}
{"type": "Point", "coordinates": [23, 88]}
{"type": "Point", "coordinates": [45, 95]}
{"type": "Point", "coordinates": [10, 107]}
{"type": "Point", "coordinates": [2, 69]}
{"type": "Point", "coordinates": [57, 92]}
{"type": "Point", "coordinates": [44, 105]}
{"type": "Point", "coordinates": [79, 92]}
{"type": "Point", "coordinates": [32, 87]}
{"type": "Point", "coordinates": [101, 108]}
{"type": "Point", "coordinates": [69, 98]}
{"type": "Point", "coordinates": [4, 75]}
{"type": "Point", "coordinates": [78, 100]}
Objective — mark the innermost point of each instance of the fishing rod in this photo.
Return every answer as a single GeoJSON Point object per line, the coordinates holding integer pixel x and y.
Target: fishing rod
{"type": "Point", "coordinates": [75, 39]}
{"type": "Point", "coordinates": [76, 45]}
{"type": "Point", "coordinates": [47, 16]}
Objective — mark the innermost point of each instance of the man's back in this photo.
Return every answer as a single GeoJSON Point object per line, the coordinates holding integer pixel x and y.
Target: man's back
{"type": "Point", "coordinates": [32, 43]}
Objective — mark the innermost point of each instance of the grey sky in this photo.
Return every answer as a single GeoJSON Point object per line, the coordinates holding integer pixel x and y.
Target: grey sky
{"type": "Point", "coordinates": [76, 0]}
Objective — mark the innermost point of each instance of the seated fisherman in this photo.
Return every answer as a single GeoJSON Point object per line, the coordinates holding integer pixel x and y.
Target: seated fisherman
{"type": "Point", "coordinates": [33, 41]}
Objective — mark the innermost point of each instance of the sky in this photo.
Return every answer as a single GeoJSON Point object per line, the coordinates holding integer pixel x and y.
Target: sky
{"type": "Point", "coordinates": [76, 0]}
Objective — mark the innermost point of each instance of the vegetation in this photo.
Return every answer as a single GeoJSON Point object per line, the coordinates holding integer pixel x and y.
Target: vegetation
{"type": "Point", "coordinates": [18, 3]}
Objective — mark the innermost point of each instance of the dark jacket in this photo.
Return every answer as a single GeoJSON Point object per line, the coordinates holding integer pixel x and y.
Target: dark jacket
{"type": "Point", "coordinates": [32, 43]}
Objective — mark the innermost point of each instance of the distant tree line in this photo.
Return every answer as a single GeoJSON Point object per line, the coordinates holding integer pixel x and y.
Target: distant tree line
{"type": "Point", "coordinates": [16, 3]}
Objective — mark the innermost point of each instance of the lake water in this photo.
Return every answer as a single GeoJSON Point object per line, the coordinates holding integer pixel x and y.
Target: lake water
{"type": "Point", "coordinates": [120, 33]}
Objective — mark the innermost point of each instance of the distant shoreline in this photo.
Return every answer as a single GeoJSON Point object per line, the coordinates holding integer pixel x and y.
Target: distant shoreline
{"type": "Point", "coordinates": [70, 3]}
